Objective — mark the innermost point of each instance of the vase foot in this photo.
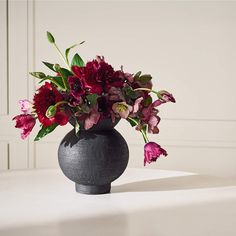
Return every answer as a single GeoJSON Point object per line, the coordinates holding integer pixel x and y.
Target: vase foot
{"type": "Point", "coordinates": [93, 189]}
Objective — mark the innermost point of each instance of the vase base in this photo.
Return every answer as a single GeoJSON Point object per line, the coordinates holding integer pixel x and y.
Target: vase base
{"type": "Point", "coordinates": [92, 189]}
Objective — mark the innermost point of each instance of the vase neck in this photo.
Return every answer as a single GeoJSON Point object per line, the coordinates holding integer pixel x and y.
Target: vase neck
{"type": "Point", "coordinates": [104, 124]}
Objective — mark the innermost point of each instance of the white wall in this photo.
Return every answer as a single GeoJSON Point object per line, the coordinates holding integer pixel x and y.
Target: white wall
{"type": "Point", "coordinates": [188, 47]}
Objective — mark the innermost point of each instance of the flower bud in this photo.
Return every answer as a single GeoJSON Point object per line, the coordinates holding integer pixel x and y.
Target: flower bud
{"type": "Point", "coordinates": [51, 111]}
{"type": "Point", "coordinates": [50, 37]}
{"type": "Point", "coordinates": [56, 67]}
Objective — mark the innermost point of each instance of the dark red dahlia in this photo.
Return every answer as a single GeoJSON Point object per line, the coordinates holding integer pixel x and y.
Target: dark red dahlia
{"type": "Point", "coordinates": [105, 71]}
{"type": "Point", "coordinates": [96, 75]}
{"type": "Point", "coordinates": [47, 96]}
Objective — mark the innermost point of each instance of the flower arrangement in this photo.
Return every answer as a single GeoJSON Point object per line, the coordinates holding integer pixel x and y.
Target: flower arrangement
{"type": "Point", "coordinates": [89, 93]}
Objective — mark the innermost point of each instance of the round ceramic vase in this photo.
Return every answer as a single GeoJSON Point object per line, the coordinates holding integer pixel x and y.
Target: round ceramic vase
{"type": "Point", "coordinates": [94, 159]}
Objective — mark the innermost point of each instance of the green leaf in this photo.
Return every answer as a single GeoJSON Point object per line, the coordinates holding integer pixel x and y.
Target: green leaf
{"type": "Point", "coordinates": [51, 111]}
{"type": "Point", "coordinates": [44, 131]}
{"type": "Point", "coordinates": [129, 92]}
{"type": "Point", "coordinates": [39, 75]}
{"type": "Point", "coordinates": [133, 121]}
{"type": "Point", "coordinates": [50, 37]}
{"type": "Point", "coordinates": [147, 101]}
{"type": "Point", "coordinates": [77, 128]}
{"type": "Point", "coordinates": [68, 49]}
{"type": "Point", "coordinates": [77, 61]}
{"type": "Point", "coordinates": [92, 98]}
{"type": "Point", "coordinates": [57, 80]}
{"type": "Point", "coordinates": [143, 79]}
{"type": "Point", "coordinates": [64, 74]}
{"type": "Point", "coordinates": [137, 75]}
{"type": "Point", "coordinates": [56, 67]}
{"type": "Point", "coordinates": [48, 77]}
{"type": "Point", "coordinates": [49, 65]}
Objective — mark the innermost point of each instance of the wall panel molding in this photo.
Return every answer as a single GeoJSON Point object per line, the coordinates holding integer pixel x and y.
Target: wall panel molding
{"type": "Point", "coordinates": [4, 58]}
{"type": "Point", "coordinates": [4, 155]}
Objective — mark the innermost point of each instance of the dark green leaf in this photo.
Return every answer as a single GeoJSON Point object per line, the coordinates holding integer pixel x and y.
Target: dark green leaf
{"type": "Point", "coordinates": [133, 121]}
{"type": "Point", "coordinates": [56, 67]}
{"type": "Point", "coordinates": [39, 75]}
{"type": "Point", "coordinates": [137, 75]}
{"type": "Point", "coordinates": [147, 101]}
{"type": "Point", "coordinates": [49, 65]}
{"type": "Point", "coordinates": [143, 79]}
{"type": "Point", "coordinates": [77, 61]}
{"type": "Point", "coordinates": [129, 92]}
{"type": "Point", "coordinates": [68, 49]}
{"type": "Point", "coordinates": [57, 80]}
{"type": "Point", "coordinates": [48, 77]}
{"type": "Point", "coordinates": [44, 131]}
{"type": "Point", "coordinates": [64, 74]}
{"type": "Point", "coordinates": [50, 37]}
{"type": "Point", "coordinates": [92, 98]}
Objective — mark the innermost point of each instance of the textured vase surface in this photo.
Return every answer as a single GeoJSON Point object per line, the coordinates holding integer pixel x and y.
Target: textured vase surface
{"type": "Point", "coordinates": [95, 158]}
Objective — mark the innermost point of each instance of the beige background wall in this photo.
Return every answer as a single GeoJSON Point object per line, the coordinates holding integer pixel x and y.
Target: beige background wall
{"type": "Point", "coordinates": [188, 47]}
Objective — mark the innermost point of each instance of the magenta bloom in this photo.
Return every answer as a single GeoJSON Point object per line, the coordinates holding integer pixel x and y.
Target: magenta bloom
{"type": "Point", "coordinates": [25, 122]}
{"type": "Point", "coordinates": [152, 151]}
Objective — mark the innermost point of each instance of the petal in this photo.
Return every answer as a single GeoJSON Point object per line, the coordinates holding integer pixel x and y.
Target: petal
{"type": "Point", "coordinates": [92, 119]}
{"type": "Point", "coordinates": [25, 105]}
{"type": "Point", "coordinates": [136, 104]}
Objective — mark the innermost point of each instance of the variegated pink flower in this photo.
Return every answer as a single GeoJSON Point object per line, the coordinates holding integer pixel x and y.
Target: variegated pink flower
{"type": "Point", "coordinates": [152, 151]}
{"type": "Point", "coordinates": [25, 122]}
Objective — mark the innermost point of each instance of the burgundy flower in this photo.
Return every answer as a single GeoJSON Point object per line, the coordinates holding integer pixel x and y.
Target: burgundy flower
{"type": "Point", "coordinates": [77, 87]}
{"type": "Point", "coordinates": [117, 80]}
{"type": "Point", "coordinates": [152, 151]}
{"type": "Point", "coordinates": [47, 95]}
{"type": "Point", "coordinates": [104, 70]}
{"type": "Point", "coordinates": [25, 122]}
{"type": "Point", "coordinates": [115, 94]}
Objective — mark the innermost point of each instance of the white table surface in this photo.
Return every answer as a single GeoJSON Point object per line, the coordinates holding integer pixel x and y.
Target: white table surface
{"type": "Point", "coordinates": [143, 202]}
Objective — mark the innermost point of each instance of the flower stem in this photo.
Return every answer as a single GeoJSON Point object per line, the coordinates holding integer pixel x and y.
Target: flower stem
{"type": "Point", "coordinates": [62, 56]}
{"type": "Point", "coordinates": [142, 131]}
{"type": "Point", "coordinates": [59, 103]}
{"type": "Point", "coordinates": [147, 89]}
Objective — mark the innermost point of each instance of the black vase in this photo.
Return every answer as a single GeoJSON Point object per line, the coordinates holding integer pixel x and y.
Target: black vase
{"type": "Point", "coordinates": [95, 158]}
